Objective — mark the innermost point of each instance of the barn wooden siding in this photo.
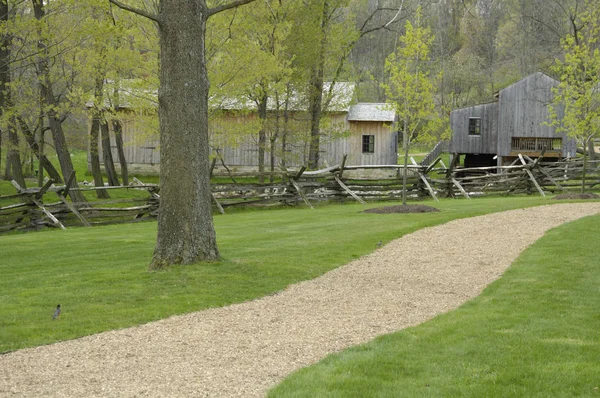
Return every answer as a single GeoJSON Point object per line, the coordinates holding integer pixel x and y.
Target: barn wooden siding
{"type": "Point", "coordinates": [233, 137]}
{"type": "Point", "coordinates": [140, 142]}
{"type": "Point", "coordinates": [462, 142]}
{"type": "Point", "coordinates": [524, 113]}
{"type": "Point", "coordinates": [520, 112]}
{"type": "Point", "coordinates": [241, 147]}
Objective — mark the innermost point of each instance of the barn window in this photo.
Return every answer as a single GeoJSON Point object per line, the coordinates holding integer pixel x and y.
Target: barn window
{"type": "Point", "coordinates": [368, 144]}
{"type": "Point", "coordinates": [474, 126]}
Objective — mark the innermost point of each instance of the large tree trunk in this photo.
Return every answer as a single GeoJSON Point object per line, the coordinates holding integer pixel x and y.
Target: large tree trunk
{"type": "Point", "coordinates": [316, 93]}
{"type": "Point", "coordinates": [95, 139]}
{"type": "Point", "coordinates": [109, 163]}
{"type": "Point", "coordinates": [95, 158]}
{"type": "Point", "coordinates": [284, 133]}
{"type": "Point", "coordinates": [273, 140]}
{"type": "Point", "coordinates": [405, 148]}
{"type": "Point", "coordinates": [118, 130]}
{"type": "Point", "coordinates": [14, 170]}
{"type": "Point", "coordinates": [262, 138]}
{"type": "Point", "coordinates": [44, 162]}
{"type": "Point", "coordinates": [185, 226]}
{"type": "Point", "coordinates": [591, 149]}
{"type": "Point", "coordinates": [50, 104]}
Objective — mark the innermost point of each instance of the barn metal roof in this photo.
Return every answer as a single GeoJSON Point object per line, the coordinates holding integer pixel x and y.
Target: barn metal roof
{"type": "Point", "coordinates": [341, 96]}
{"type": "Point", "coordinates": [371, 112]}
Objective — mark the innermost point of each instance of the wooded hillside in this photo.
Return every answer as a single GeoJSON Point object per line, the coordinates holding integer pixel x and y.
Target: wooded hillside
{"type": "Point", "coordinates": [66, 62]}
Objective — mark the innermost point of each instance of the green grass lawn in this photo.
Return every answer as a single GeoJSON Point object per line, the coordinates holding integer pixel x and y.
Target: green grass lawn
{"type": "Point", "coordinates": [99, 275]}
{"type": "Point", "coordinates": [532, 333]}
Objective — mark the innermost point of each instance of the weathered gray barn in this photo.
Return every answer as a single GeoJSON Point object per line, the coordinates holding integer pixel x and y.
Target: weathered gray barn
{"type": "Point", "coordinates": [515, 123]}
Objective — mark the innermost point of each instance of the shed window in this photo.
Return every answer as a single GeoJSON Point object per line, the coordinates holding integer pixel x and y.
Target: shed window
{"type": "Point", "coordinates": [474, 126]}
{"type": "Point", "coordinates": [368, 144]}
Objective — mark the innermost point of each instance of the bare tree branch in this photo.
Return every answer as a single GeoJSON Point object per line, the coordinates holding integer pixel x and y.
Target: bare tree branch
{"type": "Point", "coordinates": [137, 11]}
{"type": "Point", "coordinates": [395, 16]}
{"type": "Point", "coordinates": [223, 7]}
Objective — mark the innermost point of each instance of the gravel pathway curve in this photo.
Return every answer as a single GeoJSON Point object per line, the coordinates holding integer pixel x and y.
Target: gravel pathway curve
{"type": "Point", "coordinates": [244, 349]}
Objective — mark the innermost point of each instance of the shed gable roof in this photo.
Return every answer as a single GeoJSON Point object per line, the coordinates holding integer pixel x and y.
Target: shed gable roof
{"type": "Point", "coordinates": [376, 112]}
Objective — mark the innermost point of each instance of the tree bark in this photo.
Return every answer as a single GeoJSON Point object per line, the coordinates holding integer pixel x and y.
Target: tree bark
{"type": "Point", "coordinates": [591, 149]}
{"type": "Point", "coordinates": [14, 170]}
{"type": "Point", "coordinates": [262, 137]}
{"type": "Point", "coordinates": [95, 138]}
{"type": "Point", "coordinates": [405, 148]}
{"type": "Point", "coordinates": [284, 133]}
{"type": "Point", "coordinates": [49, 102]}
{"type": "Point", "coordinates": [109, 163]}
{"type": "Point", "coordinates": [316, 93]}
{"type": "Point", "coordinates": [185, 226]}
{"type": "Point", "coordinates": [118, 130]}
{"type": "Point", "coordinates": [95, 158]}
{"type": "Point", "coordinates": [43, 160]}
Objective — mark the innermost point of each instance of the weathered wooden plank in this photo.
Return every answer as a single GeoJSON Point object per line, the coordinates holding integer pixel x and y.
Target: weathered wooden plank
{"type": "Point", "coordinates": [460, 188]}
{"type": "Point", "coordinates": [17, 186]}
{"type": "Point", "coordinates": [432, 165]}
{"type": "Point", "coordinates": [73, 210]}
{"type": "Point", "coordinates": [301, 193]}
{"type": "Point", "coordinates": [424, 179]}
{"type": "Point", "coordinates": [69, 183]}
{"type": "Point", "coordinates": [345, 188]}
{"type": "Point", "coordinates": [48, 214]}
{"type": "Point", "coordinates": [15, 206]}
{"type": "Point", "coordinates": [219, 207]}
{"type": "Point", "coordinates": [341, 173]}
{"type": "Point", "coordinates": [44, 189]}
{"type": "Point", "coordinates": [531, 177]}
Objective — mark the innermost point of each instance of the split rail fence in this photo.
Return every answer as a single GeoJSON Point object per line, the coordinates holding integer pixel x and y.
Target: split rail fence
{"type": "Point", "coordinates": [48, 206]}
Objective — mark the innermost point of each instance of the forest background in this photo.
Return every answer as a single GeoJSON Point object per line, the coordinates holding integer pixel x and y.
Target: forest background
{"type": "Point", "coordinates": [65, 62]}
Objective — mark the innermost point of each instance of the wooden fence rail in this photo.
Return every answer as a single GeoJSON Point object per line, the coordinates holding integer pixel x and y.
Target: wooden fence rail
{"type": "Point", "coordinates": [35, 208]}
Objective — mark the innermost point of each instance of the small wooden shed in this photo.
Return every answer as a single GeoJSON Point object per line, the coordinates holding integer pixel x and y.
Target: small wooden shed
{"type": "Point", "coordinates": [373, 137]}
{"type": "Point", "coordinates": [515, 123]}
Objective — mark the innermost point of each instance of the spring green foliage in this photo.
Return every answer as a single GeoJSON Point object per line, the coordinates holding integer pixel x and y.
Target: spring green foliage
{"type": "Point", "coordinates": [411, 89]}
{"type": "Point", "coordinates": [532, 333]}
{"type": "Point", "coordinates": [99, 274]}
{"type": "Point", "coordinates": [575, 109]}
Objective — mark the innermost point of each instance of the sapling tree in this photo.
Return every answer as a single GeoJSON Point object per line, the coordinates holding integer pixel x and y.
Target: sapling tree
{"type": "Point", "coordinates": [575, 109]}
{"type": "Point", "coordinates": [411, 89]}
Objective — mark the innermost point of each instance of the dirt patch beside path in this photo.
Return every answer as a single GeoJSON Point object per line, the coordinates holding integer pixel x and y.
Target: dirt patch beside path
{"type": "Point", "coordinates": [243, 349]}
{"type": "Point", "coordinates": [577, 196]}
{"type": "Point", "coordinates": [402, 209]}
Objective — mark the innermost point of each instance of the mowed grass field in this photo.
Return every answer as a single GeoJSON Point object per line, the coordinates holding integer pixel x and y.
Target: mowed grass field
{"type": "Point", "coordinates": [532, 333]}
{"type": "Point", "coordinates": [99, 275]}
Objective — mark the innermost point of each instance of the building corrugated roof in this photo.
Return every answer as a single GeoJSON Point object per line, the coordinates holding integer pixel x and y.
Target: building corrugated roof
{"type": "Point", "coordinates": [376, 112]}
{"type": "Point", "coordinates": [341, 97]}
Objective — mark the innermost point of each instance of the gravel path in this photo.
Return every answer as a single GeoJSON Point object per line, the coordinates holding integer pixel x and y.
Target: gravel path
{"type": "Point", "coordinates": [243, 349]}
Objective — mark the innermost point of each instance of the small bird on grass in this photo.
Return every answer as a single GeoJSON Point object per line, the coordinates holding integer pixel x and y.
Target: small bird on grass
{"type": "Point", "coordinates": [56, 312]}
{"type": "Point", "coordinates": [379, 244]}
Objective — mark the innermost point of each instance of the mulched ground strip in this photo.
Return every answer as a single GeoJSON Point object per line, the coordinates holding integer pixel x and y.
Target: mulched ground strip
{"type": "Point", "coordinates": [577, 196]}
{"type": "Point", "coordinates": [402, 209]}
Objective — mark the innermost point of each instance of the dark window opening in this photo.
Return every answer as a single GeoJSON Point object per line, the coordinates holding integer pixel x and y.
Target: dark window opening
{"type": "Point", "coordinates": [368, 144]}
{"type": "Point", "coordinates": [474, 126]}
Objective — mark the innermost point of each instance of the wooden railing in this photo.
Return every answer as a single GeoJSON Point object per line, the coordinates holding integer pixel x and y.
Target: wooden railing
{"type": "Point", "coordinates": [48, 206]}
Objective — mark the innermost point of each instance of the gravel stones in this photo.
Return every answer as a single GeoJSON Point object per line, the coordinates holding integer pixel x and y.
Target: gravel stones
{"type": "Point", "coordinates": [243, 349]}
